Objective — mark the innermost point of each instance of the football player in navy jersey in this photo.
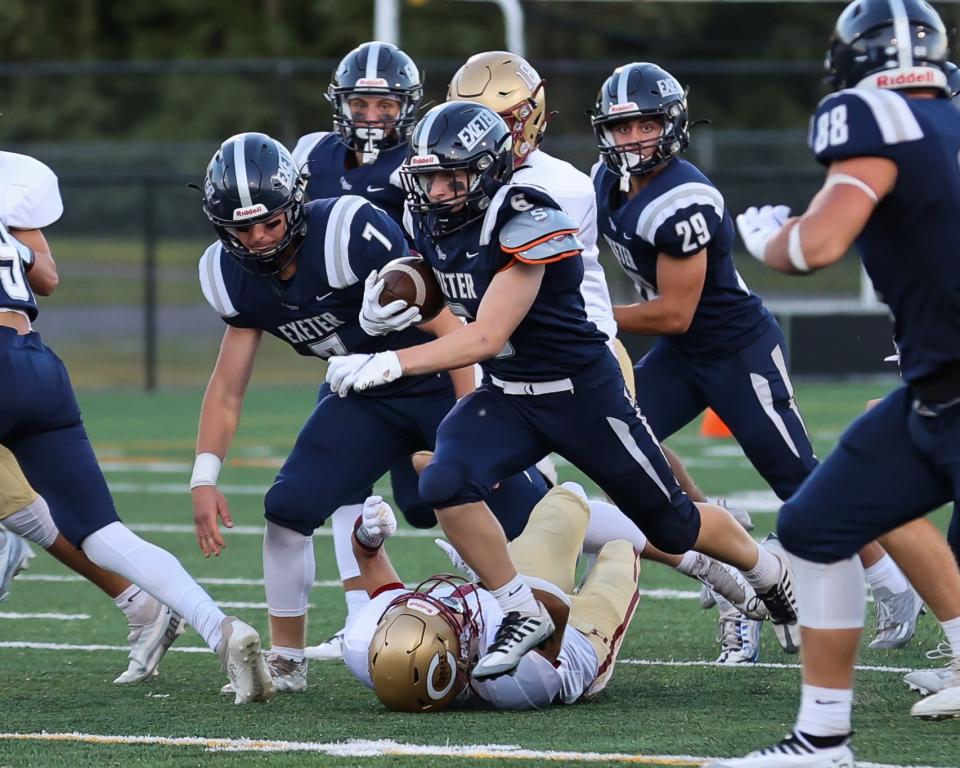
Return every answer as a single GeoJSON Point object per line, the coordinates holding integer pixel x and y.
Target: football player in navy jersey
{"type": "Point", "coordinates": [508, 261]}
{"type": "Point", "coordinates": [719, 347]}
{"type": "Point", "coordinates": [374, 94]}
{"type": "Point", "coordinates": [295, 271]}
{"type": "Point", "coordinates": [884, 135]}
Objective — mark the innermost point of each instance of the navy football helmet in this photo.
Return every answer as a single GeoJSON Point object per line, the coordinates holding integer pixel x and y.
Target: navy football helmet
{"type": "Point", "coordinates": [457, 136]}
{"type": "Point", "coordinates": [888, 44]}
{"type": "Point", "coordinates": [952, 72]}
{"type": "Point", "coordinates": [251, 179]}
{"type": "Point", "coordinates": [640, 90]}
{"type": "Point", "coordinates": [375, 69]}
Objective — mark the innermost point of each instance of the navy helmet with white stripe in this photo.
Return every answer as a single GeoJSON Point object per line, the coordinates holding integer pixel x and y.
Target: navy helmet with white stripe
{"type": "Point", "coordinates": [249, 180]}
{"type": "Point", "coordinates": [457, 136]}
{"type": "Point", "coordinates": [379, 70]}
{"type": "Point", "coordinates": [640, 90]}
{"type": "Point", "coordinates": [892, 44]}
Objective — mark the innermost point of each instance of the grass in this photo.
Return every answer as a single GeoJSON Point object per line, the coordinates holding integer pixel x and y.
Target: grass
{"type": "Point", "coordinates": [648, 709]}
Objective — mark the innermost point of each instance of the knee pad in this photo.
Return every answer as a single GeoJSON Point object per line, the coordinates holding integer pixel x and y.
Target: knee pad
{"type": "Point", "coordinates": [446, 484]}
{"type": "Point", "coordinates": [830, 596]}
{"type": "Point", "coordinates": [288, 570]}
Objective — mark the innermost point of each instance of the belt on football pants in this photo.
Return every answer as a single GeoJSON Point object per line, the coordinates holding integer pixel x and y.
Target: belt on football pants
{"type": "Point", "coordinates": [532, 387]}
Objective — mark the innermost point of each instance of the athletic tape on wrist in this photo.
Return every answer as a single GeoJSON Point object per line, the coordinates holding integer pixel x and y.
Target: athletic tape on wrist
{"type": "Point", "coordinates": [206, 470]}
{"type": "Point", "coordinates": [364, 538]}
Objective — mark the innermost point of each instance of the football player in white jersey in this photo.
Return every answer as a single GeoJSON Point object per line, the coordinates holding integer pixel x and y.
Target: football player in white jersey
{"type": "Point", "coordinates": [437, 631]}
{"type": "Point", "coordinates": [29, 202]}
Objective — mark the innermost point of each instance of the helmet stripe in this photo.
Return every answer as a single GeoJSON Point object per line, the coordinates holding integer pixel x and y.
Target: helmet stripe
{"type": "Point", "coordinates": [622, 83]}
{"type": "Point", "coordinates": [423, 146]}
{"type": "Point", "coordinates": [373, 61]}
{"type": "Point", "coordinates": [240, 170]}
{"type": "Point", "coordinates": [901, 28]}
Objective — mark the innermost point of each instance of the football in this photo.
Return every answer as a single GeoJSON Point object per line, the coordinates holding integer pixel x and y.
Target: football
{"type": "Point", "coordinates": [410, 278]}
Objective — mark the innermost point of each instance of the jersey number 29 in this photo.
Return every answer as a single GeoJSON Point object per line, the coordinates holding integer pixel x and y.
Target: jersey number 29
{"type": "Point", "coordinates": [694, 232]}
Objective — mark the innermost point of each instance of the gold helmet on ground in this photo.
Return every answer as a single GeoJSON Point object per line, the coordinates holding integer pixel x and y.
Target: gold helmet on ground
{"type": "Point", "coordinates": [507, 84]}
{"type": "Point", "coordinates": [424, 645]}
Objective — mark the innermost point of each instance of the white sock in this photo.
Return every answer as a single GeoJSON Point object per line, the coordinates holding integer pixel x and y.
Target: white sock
{"type": "Point", "coordinates": [824, 711]}
{"type": "Point", "coordinates": [952, 630]}
{"type": "Point", "coordinates": [356, 599]}
{"type": "Point", "coordinates": [116, 548]}
{"type": "Point", "coordinates": [34, 523]}
{"type": "Point", "coordinates": [138, 606]}
{"type": "Point", "coordinates": [294, 654]}
{"type": "Point", "coordinates": [885, 573]}
{"type": "Point", "coordinates": [342, 521]}
{"type": "Point", "coordinates": [515, 595]}
{"type": "Point", "coordinates": [608, 523]}
{"type": "Point", "coordinates": [765, 573]}
{"type": "Point", "coordinates": [288, 570]}
{"type": "Point", "coordinates": [687, 562]}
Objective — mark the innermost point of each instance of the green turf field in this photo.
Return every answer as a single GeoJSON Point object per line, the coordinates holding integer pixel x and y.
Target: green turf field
{"type": "Point", "coordinates": [658, 705]}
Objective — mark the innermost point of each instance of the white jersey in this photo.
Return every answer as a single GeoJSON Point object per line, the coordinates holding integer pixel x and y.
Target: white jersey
{"type": "Point", "coordinates": [29, 195]}
{"type": "Point", "coordinates": [574, 191]}
{"type": "Point", "coordinates": [536, 685]}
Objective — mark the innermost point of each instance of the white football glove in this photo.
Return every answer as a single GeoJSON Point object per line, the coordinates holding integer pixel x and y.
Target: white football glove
{"type": "Point", "coordinates": [378, 518]}
{"type": "Point", "coordinates": [378, 321]}
{"type": "Point", "coordinates": [360, 372]}
{"type": "Point", "coordinates": [455, 557]}
{"type": "Point", "coordinates": [759, 226]}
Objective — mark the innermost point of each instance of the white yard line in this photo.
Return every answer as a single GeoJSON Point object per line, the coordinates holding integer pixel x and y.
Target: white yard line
{"type": "Point", "coordinates": [383, 747]}
{"type": "Point", "coordinates": [48, 616]}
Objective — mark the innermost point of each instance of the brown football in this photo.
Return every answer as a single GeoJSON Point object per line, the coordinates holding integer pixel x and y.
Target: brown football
{"type": "Point", "coordinates": [411, 279]}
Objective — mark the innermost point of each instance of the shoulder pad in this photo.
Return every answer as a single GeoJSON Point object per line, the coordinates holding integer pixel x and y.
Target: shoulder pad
{"type": "Point", "coordinates": [212, 284]}
{"type": "Point", "coordinates": [858, 122]}
{"type": "Point", "coordinates": [336, 240]}
{"type": "Point", "coordinates": [540, 235]}
{"type": "Point", "coordinates": [687, 195]}
{"type": "Point", "coordinates": [33, 196]}
{"type": "Point", "coordinates": [305, 144]}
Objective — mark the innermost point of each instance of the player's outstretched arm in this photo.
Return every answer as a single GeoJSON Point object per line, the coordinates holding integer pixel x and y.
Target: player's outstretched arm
{"type": "Point", "coordinates": [42, 272]}
{"type": "Point", "coordinates": [832, 221]}
{"type": "Point", "coordinates": [376, 523]}
{"type": "Point", "coordinates": [219, 418]}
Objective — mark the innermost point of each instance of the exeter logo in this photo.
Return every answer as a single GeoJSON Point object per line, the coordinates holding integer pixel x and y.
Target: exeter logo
{"type": "Point", "coordinates": [248, 213]}
{"type": "Point", "coordinates": [474, 131]}
{"type": "Point", "coordinates": [669, 87]}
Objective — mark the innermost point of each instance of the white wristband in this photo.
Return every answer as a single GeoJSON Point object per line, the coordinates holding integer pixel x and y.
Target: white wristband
{"type": "Point", "coordinates": [795, 250]}
{"type": "Point", "coordinates": [206, 470]}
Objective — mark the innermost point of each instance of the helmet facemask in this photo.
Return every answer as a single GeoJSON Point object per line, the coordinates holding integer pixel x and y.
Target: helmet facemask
{"type": "Point", "coordinates": [375, 136]}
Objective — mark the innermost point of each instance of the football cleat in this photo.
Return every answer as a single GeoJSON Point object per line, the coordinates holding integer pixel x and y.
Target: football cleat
{"type": "Point", "coordinates": [15, 556]}
{"type": "Point", "coordinates": [239, 653]}
{"type": "Point", "coordinates": [288, 676]}
{"type": "Point", "coordinates": [329, 650]}
{"type": "Point", "coordinates": [781, 601]}
{"type": "Point", "coordinates": [728, 584]}
{"type": "Point", "coordinates": [793, 752]}
{"type": "Point", "coordinates": [707, 598]}
{"type": "Point", "coordinates": [897, 616]}
{"type": "Point", "coordinates": [945, 701]}
{"type": "Point", "coordinates": [150, 643]}
{"type": "Point", "coordinates": [927, 681]}
{"type": "Point", "coordinates": [517, 635]}
{"type": "Point", "coordinates": [738, 635]}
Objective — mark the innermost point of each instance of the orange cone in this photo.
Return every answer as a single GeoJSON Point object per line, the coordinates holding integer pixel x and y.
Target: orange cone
{"type": "Point", "coordinates": [713, 426]}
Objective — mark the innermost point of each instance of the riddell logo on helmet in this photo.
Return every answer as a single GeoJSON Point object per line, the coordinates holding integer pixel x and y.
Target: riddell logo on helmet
{"type": "Point", "coordinates": [627, 106]}
{"type": "Point", "coordinates": [924, 76]}
{"type": "Point", "coordinates": [248, 213]}
{"type": "Point", "coordinates": [422, 606]}
{"type": "Point", "coordinates": [372, 82]}
{"type": "Point", "coordinates": [424, 160]}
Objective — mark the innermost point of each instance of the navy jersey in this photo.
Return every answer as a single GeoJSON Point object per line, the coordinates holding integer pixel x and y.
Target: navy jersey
{"type": "Point", "coordinates": [317, 311]}
{"type": "Point", "coordinates": [555, 339]}
{"type": "Point", "coordinates": [679, 213]}
{"type": "Point", "coordinates": [911, 243]}
{"type": "Point", "coordinates": [334, 172]}
{"type": "Point", "coordinates": [15, 291]}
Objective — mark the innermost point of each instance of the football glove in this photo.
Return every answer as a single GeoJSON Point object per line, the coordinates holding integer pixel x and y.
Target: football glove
{"type": "Point", "coordinates": [378, 321]}
{"type": "Point", "coordinates": [759, 226]}
{"type": "Point", "coordinates": [457, 559]}
{"type": "Point", "coordinates": [360, 372]}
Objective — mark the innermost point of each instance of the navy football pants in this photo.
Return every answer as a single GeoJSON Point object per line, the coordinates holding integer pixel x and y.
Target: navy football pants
{"type": "Point", "coordinates": [41, 425]}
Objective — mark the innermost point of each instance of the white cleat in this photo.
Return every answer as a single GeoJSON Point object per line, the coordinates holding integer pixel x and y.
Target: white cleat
{"type": "Point", "coordinates": [738, 635]}
{"type": "Point", "coordinates": [927, 681]}
{"type": "Point", "coordinates": [728, 584]}
{"type": "Point", "coordinates": [897, 616]}
{"type": "Point", "coordinates": [793, 752]}
{"type": "Point", "coordinates": [781, 601]}
{"type": "Point", "coordinates": [288, 676]}
{"type": "Point", "coordinates": [517, 636]}
{"type": "Point", "coordinates": [946, 702]}
{"type": "Point", "coordinates": [330, 649]}
{"type": "Point", "coordinates": [15, 556]}
{"type": "Point", "coordinates": [707, 598]}
{"type": "Point", "coordinates": [240, 656]}
{"type": "Point", "coordinates": [150, 643]}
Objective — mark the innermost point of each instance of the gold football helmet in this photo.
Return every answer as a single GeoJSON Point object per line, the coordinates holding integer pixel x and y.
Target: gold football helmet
{"type": "Point", "coordinates": [507, 84]}
{"type": "Point", "coordinates": [425, 644]}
